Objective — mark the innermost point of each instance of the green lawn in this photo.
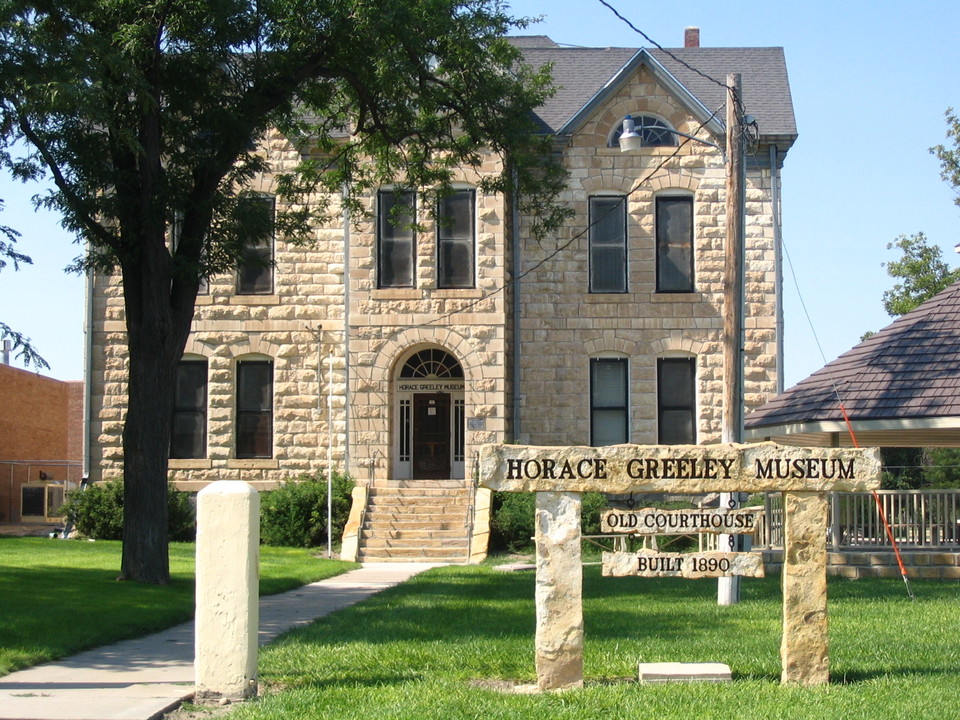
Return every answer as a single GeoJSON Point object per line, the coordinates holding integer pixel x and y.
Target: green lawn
{"type": "Point", "coordinates": [441, 644]}
{"type": "Point", "coordinates": [59, 597]}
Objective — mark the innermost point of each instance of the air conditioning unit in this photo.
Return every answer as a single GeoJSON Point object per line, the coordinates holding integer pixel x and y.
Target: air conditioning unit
{"type": "Point", "coordinates": [40, 501]}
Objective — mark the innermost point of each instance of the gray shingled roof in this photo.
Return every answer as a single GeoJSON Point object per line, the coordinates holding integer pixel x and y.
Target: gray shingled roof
{"type": "Point", "coordinates": [580, 73]}
{"type": "Point", "coordinates": [904, 378]}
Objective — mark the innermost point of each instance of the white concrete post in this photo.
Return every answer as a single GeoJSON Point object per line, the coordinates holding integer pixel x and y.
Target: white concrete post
{"type": "Point", "coordinates": [227, 592]}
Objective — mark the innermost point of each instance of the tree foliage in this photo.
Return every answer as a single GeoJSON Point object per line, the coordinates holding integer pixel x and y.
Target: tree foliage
{"type": "Point", "coordinates": [20, 343]}
{"type": "Point", "coordinates": [949, 157]}
{"type": "Point", "coordinates": [920, 272]}
{"type": "Point", "coordinates": [150, 113]}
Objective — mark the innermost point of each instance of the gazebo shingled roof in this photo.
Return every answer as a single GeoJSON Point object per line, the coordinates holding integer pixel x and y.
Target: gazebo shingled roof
{"type": "Point", "coordinates": [900, 388]}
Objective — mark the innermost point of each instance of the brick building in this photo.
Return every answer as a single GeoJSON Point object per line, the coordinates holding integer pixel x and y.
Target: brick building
{"type": "Point", "coordinates": [406, 351]}
{"type": "Point", "coordinates": [41, 442]}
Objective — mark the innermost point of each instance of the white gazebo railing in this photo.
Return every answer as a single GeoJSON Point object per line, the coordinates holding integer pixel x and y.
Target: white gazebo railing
{"type": "Point", "coordinates": [917, 518]}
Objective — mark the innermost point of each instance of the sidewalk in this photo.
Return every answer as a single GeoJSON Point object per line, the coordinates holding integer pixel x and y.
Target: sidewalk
{"type": "Point", "coordinates": [143, 678]}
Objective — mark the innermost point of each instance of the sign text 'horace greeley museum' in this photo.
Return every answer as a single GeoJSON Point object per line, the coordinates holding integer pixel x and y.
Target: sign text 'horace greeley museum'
{"type": "Point", "coordinates": [679, 469]}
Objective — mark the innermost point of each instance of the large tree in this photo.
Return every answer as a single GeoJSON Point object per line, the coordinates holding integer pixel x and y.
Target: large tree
{"type": "Point", "coordinates": [147, 113]}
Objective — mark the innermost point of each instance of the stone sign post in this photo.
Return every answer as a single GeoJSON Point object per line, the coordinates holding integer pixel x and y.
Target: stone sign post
{"type": "Point", "coordinates": [558, 475]}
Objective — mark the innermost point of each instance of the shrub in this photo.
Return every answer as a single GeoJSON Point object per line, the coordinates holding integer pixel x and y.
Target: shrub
{"type": "Point", "coordinates": [295, 514]}
{"type": "Point", "coordinates": [97, 512]}
{"type": "Point", "coordinates": [512, 519]}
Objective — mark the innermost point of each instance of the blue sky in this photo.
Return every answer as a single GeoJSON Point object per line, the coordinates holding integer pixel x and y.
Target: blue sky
{"type": "Point", "coordinates": [870, 84]}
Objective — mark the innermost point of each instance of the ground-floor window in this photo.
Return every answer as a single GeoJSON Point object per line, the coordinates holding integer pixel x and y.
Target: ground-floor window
{"type": "Point", "coordinates": [676, 401]}
{"type": "Point", "coordinates": [254, 409]}
{"type": "Point", "coordinates": [609, 422]}
{"type": "Point", "coordinates": [188, 438]}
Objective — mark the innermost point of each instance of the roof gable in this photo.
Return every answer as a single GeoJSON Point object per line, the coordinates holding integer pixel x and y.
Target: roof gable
{"type": "Point", "coordinates": [642, 58]}
{"type": "Point", "coordinates": [585, 77]}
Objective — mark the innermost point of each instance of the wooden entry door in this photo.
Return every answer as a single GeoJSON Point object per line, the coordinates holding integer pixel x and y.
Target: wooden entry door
{"type": "Point", "coordinates": [431, 436]}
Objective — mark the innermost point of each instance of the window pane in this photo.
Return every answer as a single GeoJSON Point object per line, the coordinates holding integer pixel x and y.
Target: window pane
{"type": "Point", "coordinates": [254, 435]}
{"type": "Point", "coordinates": [676, 427]}
{"type": "Point", "coordinates": [609, 383]}
{"type": "Point", "coordinates": [608, 244]}
{"type": "Point", "coordinates": [395, 239]}
{"type": "Point", "coordinates": [455, 240]}
{"type": "Point", "coordinates": [189, 435]}
{"type": "Point", "coordinates": [675, 244]}
{"type": "Point", "coordinates": [609, 427]}
{"type": "Point", "coordinates": [191, 390]}
{"type": "Point", "coordinates": [253, 386]}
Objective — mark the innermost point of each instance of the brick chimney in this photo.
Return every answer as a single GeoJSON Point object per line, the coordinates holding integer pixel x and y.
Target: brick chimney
{"type": "Point", "coordinates": [691, 37]}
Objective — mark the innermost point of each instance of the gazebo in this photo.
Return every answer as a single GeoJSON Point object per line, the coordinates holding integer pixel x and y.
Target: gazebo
{"type": "Point", "coordinates": [899, 387]}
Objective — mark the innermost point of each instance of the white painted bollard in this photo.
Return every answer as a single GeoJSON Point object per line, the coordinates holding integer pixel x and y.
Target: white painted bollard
{"type": "Point", "coordinates": [227, 591]}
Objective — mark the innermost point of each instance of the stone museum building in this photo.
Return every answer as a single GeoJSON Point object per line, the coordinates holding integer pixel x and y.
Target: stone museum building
{"type": "Point", "coordinates": [401, 352]}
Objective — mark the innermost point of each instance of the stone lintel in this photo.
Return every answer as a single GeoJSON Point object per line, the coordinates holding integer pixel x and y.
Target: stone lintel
{"type": "Point", "coordinates": [621, 469]}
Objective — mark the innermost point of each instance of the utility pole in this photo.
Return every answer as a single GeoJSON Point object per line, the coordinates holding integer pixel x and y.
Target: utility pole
{"type": "Point", "coordinates": [728, 588]}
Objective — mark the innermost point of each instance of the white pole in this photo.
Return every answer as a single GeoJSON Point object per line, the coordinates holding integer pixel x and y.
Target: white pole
{"type": "Point", "coordinates": [330, 459]}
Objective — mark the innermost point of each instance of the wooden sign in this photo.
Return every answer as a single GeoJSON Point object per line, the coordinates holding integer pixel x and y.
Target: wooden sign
{"type": "Point", "coordinates": [653, 521]}
{"type": "Point", "coordinates": [650, 563]}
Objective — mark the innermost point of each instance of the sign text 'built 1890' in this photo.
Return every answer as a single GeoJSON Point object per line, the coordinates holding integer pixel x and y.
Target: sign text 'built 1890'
{"type": "Point", "coordinates": [650, 563]}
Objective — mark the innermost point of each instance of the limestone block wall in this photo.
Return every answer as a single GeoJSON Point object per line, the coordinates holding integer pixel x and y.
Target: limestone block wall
{"type": "Point", "coordinates": [297, 327]}
{"type": "Point", "coordinates": [564, 325]}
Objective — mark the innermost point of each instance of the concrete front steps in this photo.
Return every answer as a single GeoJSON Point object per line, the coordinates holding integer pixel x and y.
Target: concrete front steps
{"type": "Point", "coordinates": [927, 563]}
{"type": "Point", "coordinates": [416, 521]}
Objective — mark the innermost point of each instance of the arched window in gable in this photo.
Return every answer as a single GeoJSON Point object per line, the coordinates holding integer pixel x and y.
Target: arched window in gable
{"type": "Point", "coordinates": [653, 132]}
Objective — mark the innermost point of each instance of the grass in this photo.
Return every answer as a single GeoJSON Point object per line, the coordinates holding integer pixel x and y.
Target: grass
{"type": "Point", "coordinates": [60, 597]}
{"type": "Point", "coordinates": [445, 643]}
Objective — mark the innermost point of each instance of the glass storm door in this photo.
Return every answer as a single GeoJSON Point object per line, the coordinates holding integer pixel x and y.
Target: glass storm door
{"type": "Point", "coordinates": [431, 435]}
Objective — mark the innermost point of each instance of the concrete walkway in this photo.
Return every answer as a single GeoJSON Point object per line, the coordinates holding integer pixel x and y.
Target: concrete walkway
{"type": "Point", "coordinates": [142, 679]}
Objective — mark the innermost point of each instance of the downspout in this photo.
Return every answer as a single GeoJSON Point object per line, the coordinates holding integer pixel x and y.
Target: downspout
{"type": "Point", "coordinates": [345, 194]}
{"type": "Point", "coordinates": [515, 239]}
{"type": "Point", "coordinates": [88, 374]}
{"type": "Point", "coordinates": [777, 262]}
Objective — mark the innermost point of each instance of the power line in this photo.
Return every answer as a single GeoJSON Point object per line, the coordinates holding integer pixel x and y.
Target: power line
{"type": "Point", "coordinates": [663, 49]}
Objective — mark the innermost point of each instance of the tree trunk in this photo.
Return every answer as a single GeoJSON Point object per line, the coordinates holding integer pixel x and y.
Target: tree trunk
{"type": "Point", "coordinates": [157, 329]}
{"type": "Point", "coordinates": [146, 444]}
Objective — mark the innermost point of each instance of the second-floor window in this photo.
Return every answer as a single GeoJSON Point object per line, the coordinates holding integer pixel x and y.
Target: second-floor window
{"type": "Point", "coordinates": [254, 429]}
{"type": "Point", "coordinates": [675, 244]}
{"type": "Point", "coordinates": [189, 436]}
{"type": "Point", "coordinates": [255, 268]}
{"type": "Point", "coordinates": [608, 244]}
{"type": "Point", "coordinates": [396, 241]}
{"type": "Point", "coordinates": [456, 239]}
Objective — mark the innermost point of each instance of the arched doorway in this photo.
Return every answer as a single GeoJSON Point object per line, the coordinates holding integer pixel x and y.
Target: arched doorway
{"type": "Point", "coordinates": [429, 418]}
